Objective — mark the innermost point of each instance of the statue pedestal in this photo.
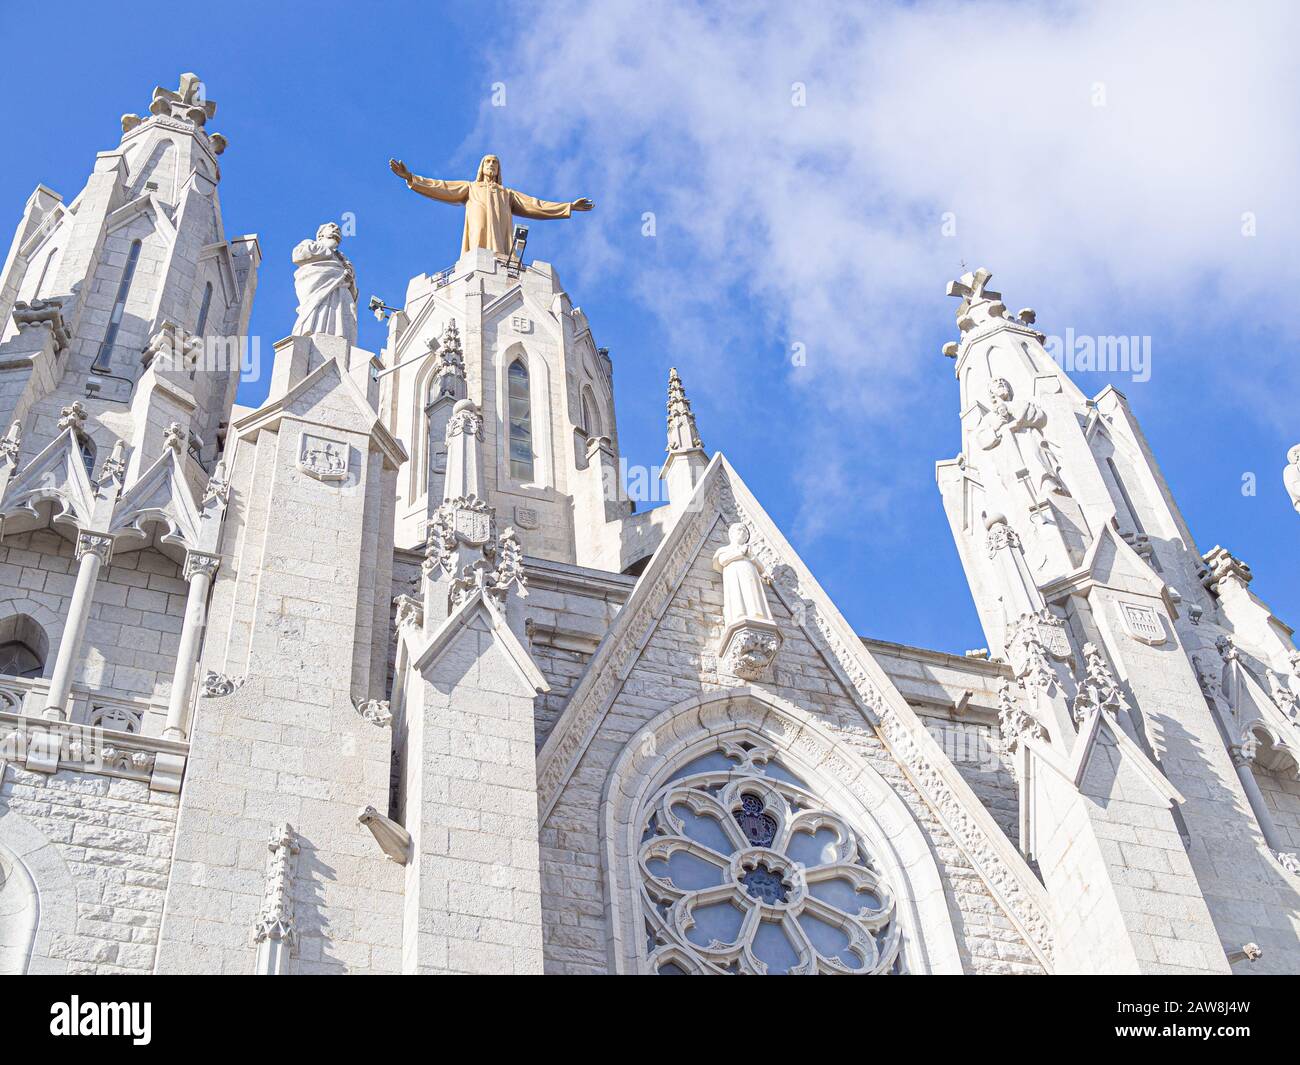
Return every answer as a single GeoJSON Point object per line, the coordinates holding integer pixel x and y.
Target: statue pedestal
{"type": "Point", "coordinates": [748, 648]}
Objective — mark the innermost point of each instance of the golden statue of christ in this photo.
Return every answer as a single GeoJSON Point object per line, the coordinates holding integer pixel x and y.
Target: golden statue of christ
{"type": "Point", "coordinates": [489, 205]}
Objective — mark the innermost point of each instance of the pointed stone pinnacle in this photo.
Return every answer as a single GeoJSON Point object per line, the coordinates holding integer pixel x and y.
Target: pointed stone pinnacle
{"type": "Point", "coordinates": [682, 434]}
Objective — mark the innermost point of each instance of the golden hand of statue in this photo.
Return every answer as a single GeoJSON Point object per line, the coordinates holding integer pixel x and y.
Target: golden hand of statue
{"type": "Point", "coordinates": [582, 204]}
{"type": "Point", "coordinates": [400, 169]}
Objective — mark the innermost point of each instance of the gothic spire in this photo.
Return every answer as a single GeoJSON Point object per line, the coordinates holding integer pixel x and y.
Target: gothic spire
{"type": "Point", "coordinates": [682, 434]}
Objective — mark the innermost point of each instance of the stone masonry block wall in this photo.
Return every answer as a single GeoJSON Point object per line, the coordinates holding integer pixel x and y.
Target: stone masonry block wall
{"type": "Point", "coordinates": [975, 748]}
{"type": "Point", "coordinates": [135, 618]}
{"type": "Point", "coordinates": [288, 745]}
{"type": "Point", "coordinates": [114, 836]}
{"type": "Point", "coordinates": [677, 663]}
{"type": "Point", "coordinates": [473, 884]}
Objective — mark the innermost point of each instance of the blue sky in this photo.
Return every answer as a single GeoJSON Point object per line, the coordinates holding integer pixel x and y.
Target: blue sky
{"type": "Point", "coordinates": [1121, 170]}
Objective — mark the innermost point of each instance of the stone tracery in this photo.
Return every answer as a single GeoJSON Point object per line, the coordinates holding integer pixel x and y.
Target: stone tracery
{"type": "Point", "coordinates": [744, 870]}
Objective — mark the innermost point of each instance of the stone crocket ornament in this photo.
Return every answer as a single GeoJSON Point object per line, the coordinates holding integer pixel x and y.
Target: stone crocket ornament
{"type": "Point", "coordinates": [489, 205]}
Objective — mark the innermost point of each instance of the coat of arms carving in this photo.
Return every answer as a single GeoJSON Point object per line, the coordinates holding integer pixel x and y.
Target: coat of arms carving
{"type": "Point", "coordinates": [322, 458]}
{"type": "Point", "coordinates": [1142, 622]}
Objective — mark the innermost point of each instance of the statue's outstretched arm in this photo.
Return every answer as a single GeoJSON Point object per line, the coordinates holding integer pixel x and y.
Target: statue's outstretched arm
{"type": "Point", "coordinates": [526, 206]}
{"type": "Point", "coordinates": [446, 191]}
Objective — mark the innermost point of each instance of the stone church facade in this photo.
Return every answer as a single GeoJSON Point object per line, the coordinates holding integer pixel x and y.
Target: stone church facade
{"type": "Point", "coordinates": [387, 675]}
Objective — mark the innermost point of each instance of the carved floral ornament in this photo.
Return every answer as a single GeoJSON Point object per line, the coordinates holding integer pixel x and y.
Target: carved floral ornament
{"type": "Point", "coordinates": [745, 871]}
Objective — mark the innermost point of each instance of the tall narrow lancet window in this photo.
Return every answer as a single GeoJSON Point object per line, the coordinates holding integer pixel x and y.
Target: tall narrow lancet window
{"type": "Point", "coordinates": [88, 455]}
{"type": "Point", "coordinates": [104, 360]}
{"type": "Point", "coordinates": [590, 419]}
{"type": "Point", "coordinates": [519, 412]}
{"type": "Point", "coordinates": [204, 308]}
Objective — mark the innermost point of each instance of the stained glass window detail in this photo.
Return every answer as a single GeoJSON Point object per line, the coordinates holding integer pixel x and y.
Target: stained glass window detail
{"type": "Point", "coordinates": [520, 417]}
{"type": "Point", "coordinates": [745, 870]}
{"type": "Point", "coordinates": [104, 360]}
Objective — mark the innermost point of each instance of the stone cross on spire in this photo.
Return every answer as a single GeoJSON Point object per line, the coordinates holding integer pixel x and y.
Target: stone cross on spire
{"type": "Point", "coordinates": [187, 102]}
{"type": "Point", "coordinates": [682, 434]}
{"type": "Point", "coordinates": [979, 303]}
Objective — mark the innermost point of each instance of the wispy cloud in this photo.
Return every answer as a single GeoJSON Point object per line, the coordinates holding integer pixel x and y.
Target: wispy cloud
{"type": "Point", "coordinates": [1103, 160]}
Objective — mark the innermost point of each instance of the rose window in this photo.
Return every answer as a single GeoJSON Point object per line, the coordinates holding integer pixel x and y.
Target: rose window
{"type": "Point", "coordinates": [744, 870]}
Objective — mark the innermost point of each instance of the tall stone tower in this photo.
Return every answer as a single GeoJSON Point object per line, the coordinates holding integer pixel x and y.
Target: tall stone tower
{"type": "Point", "coordinates": [136, 263]}
{"type": "Point", "coordinates": [1140, 716]}
{"type": "Point", "coordinates": [509, 338]}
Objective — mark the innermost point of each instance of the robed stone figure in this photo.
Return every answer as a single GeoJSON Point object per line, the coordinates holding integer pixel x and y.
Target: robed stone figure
{"type": "Point", "coordinates": [326, 286]}
{"type": "Point", "coordinates": [743, 596]}
{"type": "Point", "coordinates": [489, 205]}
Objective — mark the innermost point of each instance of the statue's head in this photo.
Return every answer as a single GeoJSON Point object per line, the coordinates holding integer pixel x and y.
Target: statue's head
{"type": "Point", "coordinates": [330, 231]}
{"type": "Point", "coordinates": [489, 169]}
{"type": "Point", "coordinates": [1293, 456]}
{"type": "Point", "coordinates": [1000, 389]}
{"type": "Point", "coordinates": [738, 534]}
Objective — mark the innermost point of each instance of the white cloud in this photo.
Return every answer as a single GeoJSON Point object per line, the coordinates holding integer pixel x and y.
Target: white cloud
{"type": "Point", "coordinates": [826, 218]}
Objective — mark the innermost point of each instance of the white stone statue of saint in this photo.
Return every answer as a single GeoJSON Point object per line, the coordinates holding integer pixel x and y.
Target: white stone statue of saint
{"type": "Point", "coordinates": [743, 595]}
{"type": "Point", "coordinates": [326, 287]}
{"type": "Point", "coordinates": [1020, 427]}
{"type": "Point", "coordinates": [1291, 476]}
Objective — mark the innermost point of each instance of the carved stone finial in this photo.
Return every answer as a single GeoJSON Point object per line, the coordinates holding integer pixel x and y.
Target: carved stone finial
{"type": "Point", "coordinates": [1014, 720]}
{"type": "Point", "coordinates": [188, 101]}
{"type": "Point", "coordinates": [218, 487]}
{"type": "Point", "coordinates": [682, 433]}
{"type": "Point", "coordinates": [73, 417]}
{"type": "Point", "coordinates": [174, 437]}
{"type": "Point", "coordinates": [509, 569]}
{"type": "Point", "coordinates": [448, 360]}
{"type": "Point", "coordinates": [979, 303]}
{"type": "Point", "coordinates": [42, 314]}
{"type": "Point", "coordinates": [276, 919]}
{"type": "Point", "coordinates": [12, 444]}
{"type": "Point", "coordinates": [1223, 567]}
{"type": "Point", "coordinates": [1098, 690]}
{"type": "Point", "coordinates": [114, 468]}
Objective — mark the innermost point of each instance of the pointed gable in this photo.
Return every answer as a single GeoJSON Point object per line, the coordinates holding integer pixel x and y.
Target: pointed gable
{"type": "Point", "coordinates": [662, 650]}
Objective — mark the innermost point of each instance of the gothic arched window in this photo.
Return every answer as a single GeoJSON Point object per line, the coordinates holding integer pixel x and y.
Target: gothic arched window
{"type": "Point", "coordinates": [19, 660]}
{"type": "Point", "coordinates": [745, 870]}
{"type": "Point", "coordinates": [520, 422]}
{"type": "Point", "coordinates": [104, 359]}
{"type": "Point", "coordinates": [590, 414]}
